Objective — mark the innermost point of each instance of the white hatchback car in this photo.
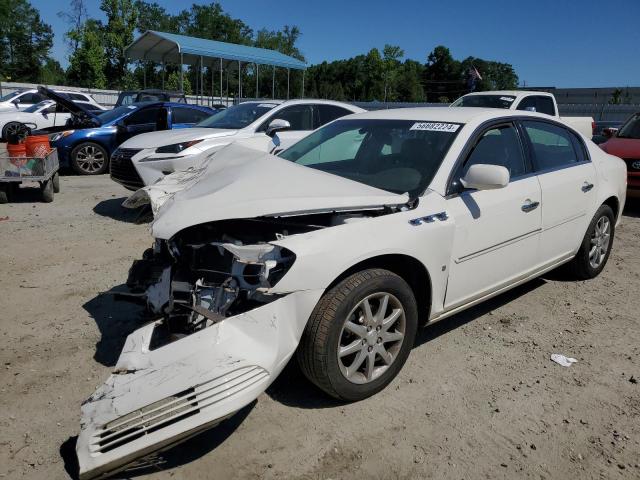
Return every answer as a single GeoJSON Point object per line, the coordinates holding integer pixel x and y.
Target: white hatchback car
{"type": "Point", "coordinates": [255, 124]}
{"type": "Point", "coordinates": [338, 249]}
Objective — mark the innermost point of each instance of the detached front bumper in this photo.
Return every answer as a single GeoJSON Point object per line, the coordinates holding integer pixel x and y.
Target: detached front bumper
{"type": "Point", "coordinates": [158, 397]}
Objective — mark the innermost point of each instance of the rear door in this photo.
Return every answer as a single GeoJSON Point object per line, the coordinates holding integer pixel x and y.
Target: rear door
{"type": "Point", "coordinates": [185, 117]}
{"type": "Point", "coordinates": [568, 182]}
{"type": "Point", "coordinates": [497, 232]}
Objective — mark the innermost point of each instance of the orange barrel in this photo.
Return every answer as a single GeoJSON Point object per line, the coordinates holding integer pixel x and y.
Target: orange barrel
{"type": "Point", "coordinates": [37, 145]}
{"type": "Point", "coordinates": [18, 150]}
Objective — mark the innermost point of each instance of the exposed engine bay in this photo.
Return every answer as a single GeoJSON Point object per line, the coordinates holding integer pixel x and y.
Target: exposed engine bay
{"type": "Point", "coordinates": [212, 271]}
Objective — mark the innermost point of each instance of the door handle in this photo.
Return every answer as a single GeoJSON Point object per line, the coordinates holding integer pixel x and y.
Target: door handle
{"type": "Point", "coordinates": [527, 207]}
{"type": "Point", "coordinates": [587, 186]}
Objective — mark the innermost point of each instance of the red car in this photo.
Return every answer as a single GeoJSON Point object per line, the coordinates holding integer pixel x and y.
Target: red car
{"type": "Point", "coordinates": [626, 145]}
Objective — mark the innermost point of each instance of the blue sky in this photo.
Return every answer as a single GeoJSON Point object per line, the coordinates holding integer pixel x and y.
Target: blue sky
{"type": "Point", "coordinates": [577, 43]}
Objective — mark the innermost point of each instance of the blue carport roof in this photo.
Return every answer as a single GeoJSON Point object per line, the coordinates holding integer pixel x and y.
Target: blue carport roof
{"type": "Point", "coordinates": [168, 47]}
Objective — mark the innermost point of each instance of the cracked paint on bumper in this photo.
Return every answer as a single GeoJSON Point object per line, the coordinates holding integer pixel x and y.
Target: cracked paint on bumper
{"type": "Point", "coordinates": [156, 398]}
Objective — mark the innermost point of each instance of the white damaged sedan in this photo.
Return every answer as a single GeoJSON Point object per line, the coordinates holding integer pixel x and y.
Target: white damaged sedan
{"type": "Point", "coordinates": [338, 250]}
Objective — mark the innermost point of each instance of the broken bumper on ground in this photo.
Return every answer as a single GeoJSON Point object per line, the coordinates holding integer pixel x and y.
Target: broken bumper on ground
{"type": "Point", "coordinates": [158, 397]}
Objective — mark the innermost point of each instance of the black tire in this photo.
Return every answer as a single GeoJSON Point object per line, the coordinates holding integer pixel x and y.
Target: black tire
{"type": "Point", "coordinates": [318, 350]}
{"type": "Point", "coordinates": [581, 267]}
{"type": "Point", "coordinates": [47, 191]}
{"type": "Point", "coordinates": [4, 193]}
{"type": "Point", "coordinates": [11, 128]}
{"type": "Point", "coordinates": [55, 180]}
{"type": "Point", "coordinates": [89, 158]}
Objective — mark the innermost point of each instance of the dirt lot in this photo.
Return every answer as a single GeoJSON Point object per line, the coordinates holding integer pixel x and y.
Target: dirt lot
{"type": "Point", "coordinates": [478, 398]}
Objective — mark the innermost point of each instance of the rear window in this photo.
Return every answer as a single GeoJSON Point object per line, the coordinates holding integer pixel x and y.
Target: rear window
{"type": "Point", "coordinates": [485, 101]}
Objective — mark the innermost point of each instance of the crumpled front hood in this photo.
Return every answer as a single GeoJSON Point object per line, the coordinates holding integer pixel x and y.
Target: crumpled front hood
{"type": "Point", "coordinates": [164, 137]}
{"type": "Point", "coordinates": [239, 182]}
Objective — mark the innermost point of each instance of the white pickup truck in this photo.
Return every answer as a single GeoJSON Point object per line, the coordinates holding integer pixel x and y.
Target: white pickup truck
{"type": "Point", "coordinates": [531, 101]}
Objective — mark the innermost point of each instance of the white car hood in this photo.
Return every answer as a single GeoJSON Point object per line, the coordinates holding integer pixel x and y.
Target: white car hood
{"type": "Point", "coordinates": [169, 137]}
{"type": "Point", "coordinates": [239, 182]}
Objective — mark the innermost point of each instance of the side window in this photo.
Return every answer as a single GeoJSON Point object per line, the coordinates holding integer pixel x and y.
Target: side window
{"type": "Point", "coordinates": [299, 116]}
{"type": "Point", "coordinates": [545, 105]}
{"type": "Point", "coordinates": [188, 115]}
{"type": "Point", "coordinates": [50, 109]}
{"type": "Point", "coordinates": [328, 113]}
{"type": "Point", "coordinates": [60, 109]}
{"type": "Point", "coordinates": [30, 98]}
{"type": "Point", "coordinates": [553, 146]}
{"type": "Point", "coordinates": [143, 117]}
{"type": "Point", "coordinates": [527, 103]}
{"type": "Point", "coordinates": [79, 97]}
{"type": "Point", "coordinates": [499, 146]}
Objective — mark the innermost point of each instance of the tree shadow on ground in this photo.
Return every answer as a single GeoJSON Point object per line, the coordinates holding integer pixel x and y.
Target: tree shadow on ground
{"type": "Point", "coordinates": [292, 388]}
{"type": "Point", "coordinates": [112, 208]}
{"type": "Point", "coordinates": [180, 454]}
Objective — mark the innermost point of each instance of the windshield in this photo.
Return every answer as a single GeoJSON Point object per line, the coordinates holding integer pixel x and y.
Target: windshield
{"type": "Point", "coordinates": [116, 113]}
{"type": "Point", "coordinates": [631, 129]}
{"type": "Point", "coordinates": [238, 116]}
{"type": "Point", "coordinates": [485, 101]}
{"type": "Point", "coordinates": [34, 108]}
{"type": "Point", "coordinates": [9, 96]}
{"type": "Point", "coordinates": [400, 156]}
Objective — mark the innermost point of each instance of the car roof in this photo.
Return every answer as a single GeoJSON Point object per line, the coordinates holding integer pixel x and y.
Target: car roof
{"type": "Point", "coordinates": [444, 114]}
{"type": "Point", "coordinates": [514, 93]}
{"type": "Point", "coordinates": [304, 101]}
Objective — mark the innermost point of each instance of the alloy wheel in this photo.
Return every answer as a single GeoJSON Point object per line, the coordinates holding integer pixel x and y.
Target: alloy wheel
{"type": "Point", "coordinates": [600, 239]}
{"type": "Point", "coordinates": [371, 337]}
{"type": "Point", "coordinates": [90, 159]}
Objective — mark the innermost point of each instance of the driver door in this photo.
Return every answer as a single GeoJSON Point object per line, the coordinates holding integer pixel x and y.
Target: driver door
{"type": "Point", "coordinates": [141, 121]}
{"type": "Point", "coordinates": [300, 117]}
{"type": "Point", "coordinates": [497, 232]}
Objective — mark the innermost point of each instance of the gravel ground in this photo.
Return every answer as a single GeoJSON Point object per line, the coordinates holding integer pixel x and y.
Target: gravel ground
{"type": "Point", "coordinates": [478, 397]}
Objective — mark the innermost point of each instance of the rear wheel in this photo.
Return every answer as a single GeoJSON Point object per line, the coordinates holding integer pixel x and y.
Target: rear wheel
{"type": "Point", "coordinates": [596, 246]}
{"type": "Point", "coordinates": [359, 335]}
{"type": "Point", "coordinates": [55, 180]}
{"type": "Point", "coordinates": [89, 158]}
{"type": "Point", "coordinates": [46, 189]}
{"type": "Point", "coordinates": [5, 189]}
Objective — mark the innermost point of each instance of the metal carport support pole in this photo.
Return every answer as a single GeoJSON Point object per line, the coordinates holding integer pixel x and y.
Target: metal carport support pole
{"type": "Point", "coordinates": [212, 76]}
{"type": "Point", "coordinates": [201, 80]}
{"type": "Point", "coordinates": [239, 81]}
{"type": "Point", "coordinates": [273, 84]}
{"type": "Point", "coordinates": [163, 69]}
{"type": "Point", "coordinates": [303, 71]}
{"type": "Point", "coordinates": [181, 74]}
{"type": "Point", "coordinates": [257, 86]}
{"type": "Point", "coordinates": [220, 80]}
{"type": "Point", "coordinates": [288, 70]}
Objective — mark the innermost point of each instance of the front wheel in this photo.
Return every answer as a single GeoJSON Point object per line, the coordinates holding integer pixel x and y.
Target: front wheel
{"type": "Point", "coordinates": [89, 158]}
{"type": "Point", "coordinates": [595, 247]}
{"type": "Point", "coordinates": [359, 335]}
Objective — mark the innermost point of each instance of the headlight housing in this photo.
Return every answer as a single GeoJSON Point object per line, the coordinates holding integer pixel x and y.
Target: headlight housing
{"type": "Point", "coordinates": [60, 135]}
{"type": "Point", "coordinates": [177, 147]}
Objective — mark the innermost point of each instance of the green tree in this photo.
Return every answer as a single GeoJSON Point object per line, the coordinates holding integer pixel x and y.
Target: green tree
{"type": "Point", "coordinates": [173, 83]}
{"type": "Point", "coordinates": [443, 75]}
{"type": "Point", "coordinates": [391, 55]}
{"type": "Point", "coordinates": [52, 73]}
{"type": "Point", "coordinates": [25, 41]}
{"type": "Point", "coordinates": [122, 19]}
{"type": "Point", "coordinates": [87, 64]}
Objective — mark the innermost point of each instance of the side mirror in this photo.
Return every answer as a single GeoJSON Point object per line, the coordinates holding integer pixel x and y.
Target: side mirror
{"type": "Point", "coordinates": [609, 132]}
{"type": "Point", "coordinates": [276, 126]}
{"type": "Point", "coordinates": [530, 109]}
{"type": "Point", "coordinates": [485, 177]}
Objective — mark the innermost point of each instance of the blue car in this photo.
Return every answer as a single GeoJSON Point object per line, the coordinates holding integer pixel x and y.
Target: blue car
{"type": "Point", "coordinates": [88, 150]}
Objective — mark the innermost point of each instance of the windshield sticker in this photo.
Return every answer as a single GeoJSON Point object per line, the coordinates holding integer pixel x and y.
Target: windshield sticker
{"type": "Point", "coordinates": [507, 99]}
{"type": "Point", "coordinates": [435, 127]}
{"type": "Point", "coordinates": [267, 105]}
